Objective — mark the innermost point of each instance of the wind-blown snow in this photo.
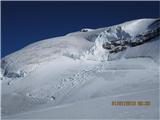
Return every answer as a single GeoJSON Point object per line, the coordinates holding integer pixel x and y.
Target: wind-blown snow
{"type": "Point", "coordinates": [73, 76]}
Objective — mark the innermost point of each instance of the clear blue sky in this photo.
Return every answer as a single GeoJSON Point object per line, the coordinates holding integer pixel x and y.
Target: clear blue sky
{"type": "Point", "coordinates": [27, 22]}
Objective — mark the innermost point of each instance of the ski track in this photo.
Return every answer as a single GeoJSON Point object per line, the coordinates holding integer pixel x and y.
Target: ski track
{"type": "Point", "coordinates": [74, 81]}
{"type": "Point", "coordinates": [67, 84]}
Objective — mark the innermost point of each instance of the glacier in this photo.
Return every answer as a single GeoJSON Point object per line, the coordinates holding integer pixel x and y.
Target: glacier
{"type": "Point", "coordinates": [78, 75]}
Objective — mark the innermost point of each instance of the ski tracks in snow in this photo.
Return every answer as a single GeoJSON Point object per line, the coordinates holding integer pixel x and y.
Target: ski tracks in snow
{"type": "Point", "coordinates": [66, 85]}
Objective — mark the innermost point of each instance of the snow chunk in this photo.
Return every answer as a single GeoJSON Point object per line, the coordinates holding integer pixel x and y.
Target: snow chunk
{"type": "Point", "coordinates": [86, 30]}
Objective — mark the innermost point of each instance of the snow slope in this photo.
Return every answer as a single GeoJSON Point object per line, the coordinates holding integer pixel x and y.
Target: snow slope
{"type": "Point", "coordinates": [73, 76]}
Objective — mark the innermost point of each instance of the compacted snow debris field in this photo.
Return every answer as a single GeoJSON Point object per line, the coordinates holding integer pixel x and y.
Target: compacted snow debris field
{"type": "Point", "coordinates": [81, 74]}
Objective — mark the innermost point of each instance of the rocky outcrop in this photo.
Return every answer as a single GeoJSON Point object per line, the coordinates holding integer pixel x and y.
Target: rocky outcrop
{"type": "Point", "coordinates": [121, 44]}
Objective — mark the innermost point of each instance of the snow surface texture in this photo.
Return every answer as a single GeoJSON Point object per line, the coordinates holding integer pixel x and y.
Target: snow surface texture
{"type": "Point", "coordinates": [74, 77]}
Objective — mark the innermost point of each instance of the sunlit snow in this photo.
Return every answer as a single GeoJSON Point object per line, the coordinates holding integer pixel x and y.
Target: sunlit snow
{"type": "Point", "coordinates": [74, 77]}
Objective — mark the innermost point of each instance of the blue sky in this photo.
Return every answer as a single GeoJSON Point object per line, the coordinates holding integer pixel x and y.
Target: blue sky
{"type": "Point", "coordinates": [26, 22]}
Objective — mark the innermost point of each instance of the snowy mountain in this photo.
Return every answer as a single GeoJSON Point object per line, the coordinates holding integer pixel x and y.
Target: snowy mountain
{"type": "Point", "coordinates": [80, 74]}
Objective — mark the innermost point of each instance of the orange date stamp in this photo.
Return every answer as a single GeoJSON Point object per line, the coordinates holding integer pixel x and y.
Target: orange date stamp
{"type": "Point", "coordinates": [131, 103]}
